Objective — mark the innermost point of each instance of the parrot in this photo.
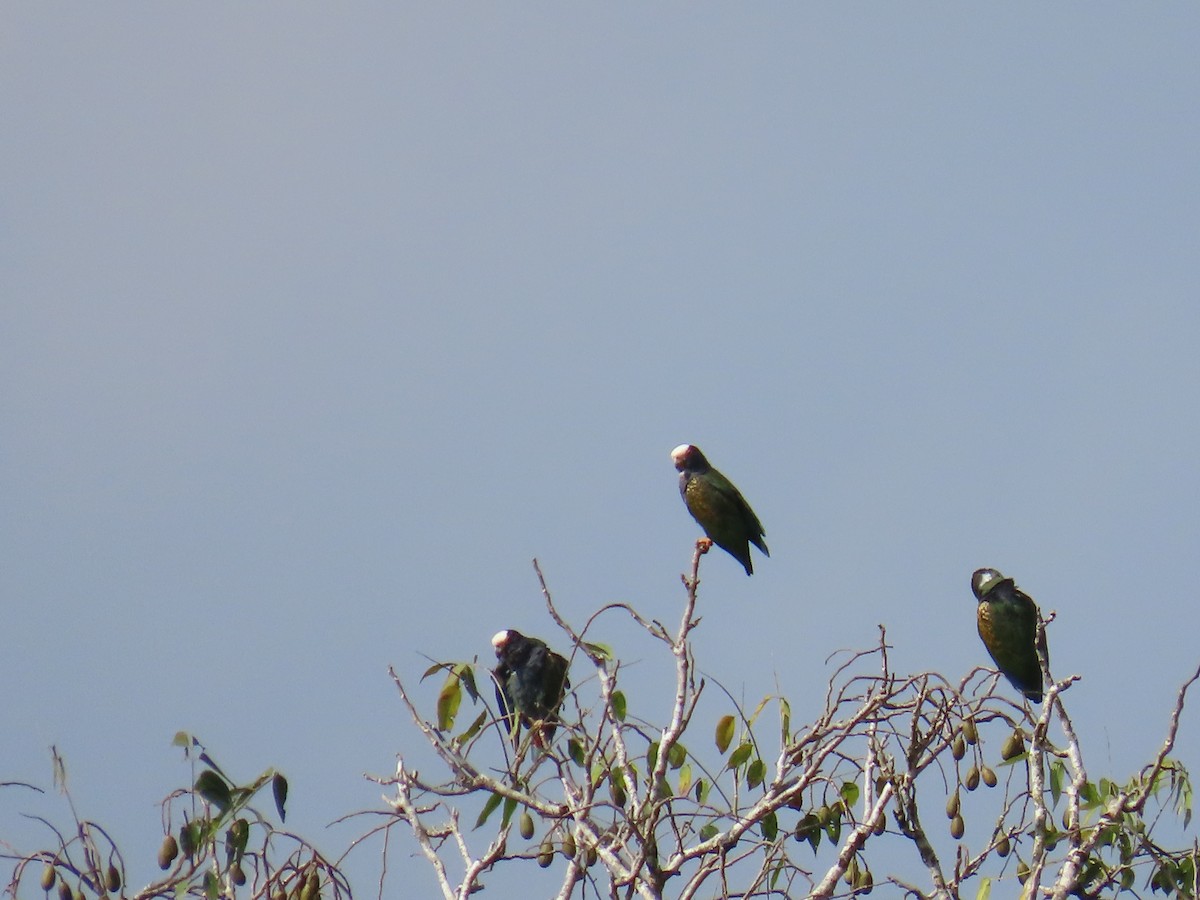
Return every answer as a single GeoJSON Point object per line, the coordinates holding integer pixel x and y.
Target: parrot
{"type": "Point", "coordinates": [718, 506]}
{"type": "Point", "coordinates": [1007, 620]}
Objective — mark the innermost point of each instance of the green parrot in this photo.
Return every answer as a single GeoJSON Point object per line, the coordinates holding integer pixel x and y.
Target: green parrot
{"type": "Point", "coordinates": [1007, 619]}
{"type": "Point", "coordinates": [531, 682]}
{"type": "Point", "coordinates": [718, 506]}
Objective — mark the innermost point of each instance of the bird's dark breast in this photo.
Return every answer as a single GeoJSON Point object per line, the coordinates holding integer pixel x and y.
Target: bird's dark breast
{"type": "Point", "coordinates": [1008, 629]}
{"type": "Point", "coordinates": [704, 504]}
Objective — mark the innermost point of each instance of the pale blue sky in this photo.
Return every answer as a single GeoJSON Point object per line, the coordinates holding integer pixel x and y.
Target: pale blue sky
{"type": "Point", "coordinates": [319, 323]}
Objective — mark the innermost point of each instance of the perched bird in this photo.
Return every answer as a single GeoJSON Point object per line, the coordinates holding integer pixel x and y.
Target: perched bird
{"type": "Point", "coordinates": [1007, 619]}
{"type": "Point", "coordinates": [718, 506]}
{"type": "Point", "coordinates": [531, 682]}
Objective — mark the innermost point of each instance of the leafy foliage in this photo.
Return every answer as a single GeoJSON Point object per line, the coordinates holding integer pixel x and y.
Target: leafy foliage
{"type": "Point", "coordinates": [625, 805]}
{"type": "Point", "coordinates": [752, 804]}
{"type": "Point", "coordinates": [216, 845]}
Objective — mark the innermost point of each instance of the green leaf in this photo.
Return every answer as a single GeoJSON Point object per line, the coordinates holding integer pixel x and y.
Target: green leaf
{"type": "Point", "coordinates": [701, 791]}
{"type": "Point", "coordinates": [677, 755]}
{"type": "Point", "coordinates": [473, 728]}
{"type": "Point", "coordinates": [833, 824]}
{"type": "Point", "coordinates": [1183, 801]}
{"type": "Point", "coordinates": [189, 838]}
{"type": "Point", "coordinates": [777, 872]}
{"type": "Point", "coordinates": [785, 720]}
{"type": "Point", "coordinates": [213, 788]}
{"type": "Point", "coordinates": [181, 739]}
{"type": "Point", "coordinates": [603, 651]}
{"type": "Point", "coordinates": [755, 773]}
{"type": "Point", "coordinates": [1166, 877]}
{"type": "Point", "coordinates": [575, 751]}
{"type": "Point", "coordinates": [985, 889]}
{"type": "Point", "coordinates": [488, 808]}
{"type": "Point", "coordinates": [1125, 848]}
{"type": "Point", "coordinates": [740, 755]}
{"type": "Point", "coordinates": [436, 667]}
{"type": "Point", "coordinates": [1057, 770]}
{"type": "Point", "coordinates": [1089, 796]}
{"type": "Point", "coordinates": [685, 780]}
{"type": "Point", "coordinates": [707, 832]}
{"type": "Point", "coordinates": [211, 763]}
{"type": "Point", "coordinates": [279, 787]}
{"type": "Point", "coordinates": [652, 756]}
{"type": "Point", "coordinates": [849, 793]}
{"type": "Point", "coordinates": [809, 829]}
{"type": "Point", "coordinates": [725, 726]}
{"type": "Point", "coordinates": [510, 806]}
{"type": "Point", "coordinates": [212, 886]}
{"type": "Point", "coordinates": [753, 717]}
{"type": "Point", "coordinates": [616, 786]}
{"type": "Point", "coordinates": [769, 826]}
{"type": "Point", "coordinates": [448, 702]}
{"type": "Point", "coordinates": [466, 674]}
{"type": "Point", "coordinates": [618, 705]}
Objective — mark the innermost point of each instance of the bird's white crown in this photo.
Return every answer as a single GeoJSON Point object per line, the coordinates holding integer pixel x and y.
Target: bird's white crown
{"type": "Point", "coordinates": [985, 578]}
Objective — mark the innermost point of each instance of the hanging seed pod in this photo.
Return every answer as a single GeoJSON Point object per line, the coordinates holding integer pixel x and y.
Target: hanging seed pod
{"type": "Point", "coordinates": [568, 845]}
{"type": "Point", "coordinates": [187, 840]}
{"type": "Point", "coordinates": [972, 780]}
{"type": "Point", "coordinates": [880, 825]}
{"type": "Point", "coordinates": [852, 872]}
{"type": "Point", "coordinates": [312, 886]}
{"type": "Point", "coordinates": [525, 823]}
{"type": "Point", "coordinates": [988, 776]}
{"type": "Point", "coordinates": [167, 852]}
{"type": "Point", "coordinates": [237, 875]}
{"type": "Point", "coordinates": [590, 856]}
{"type": "Point", "coordinates": [1014, 746]}
{"type": "Point", "coordinates": [48, 877]}
{"type": "Point", "coordinates": [865, 883]}
{"type": "Point", "coordinates": [959, 747]}
{"type": "Point", "coordinates": [957, 827]}
{"type": "Point", "coordinates": [112, 878]}
{"type": "Point", "coordinates": [953, 805]}
{"type": "Point", "coordinates": [1003, 846]}
{"type": "Point", "coordinates": [970, 732]}
{"type": "Point", "coordinates": [1022, 872]}
{"type": "Point", "coordinates": [545, 853]}
{"type": "Point", "coordinates": [65, 892]}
